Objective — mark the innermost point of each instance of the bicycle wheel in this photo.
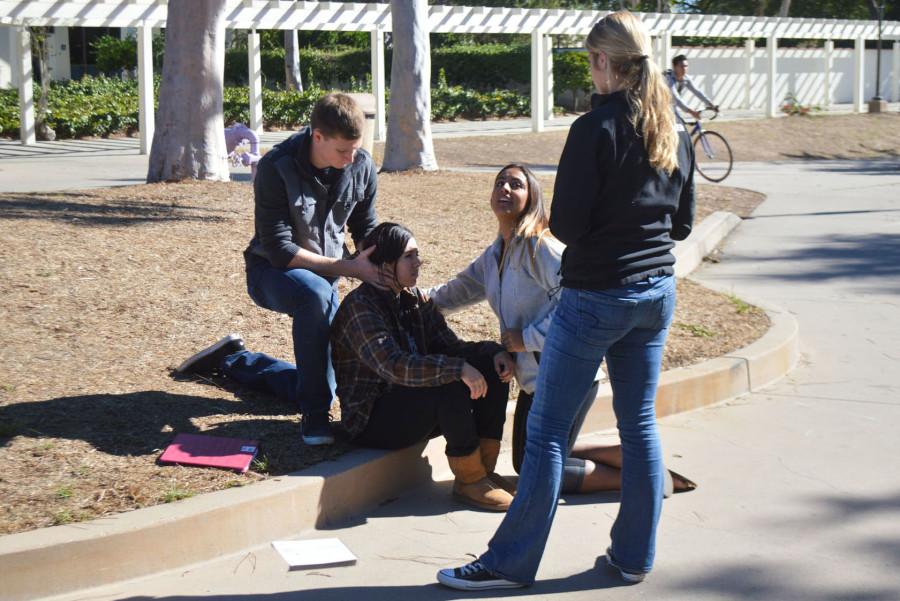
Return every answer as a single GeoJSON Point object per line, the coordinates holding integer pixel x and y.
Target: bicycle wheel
{"type": "Point", "coordinates": [712, 156]}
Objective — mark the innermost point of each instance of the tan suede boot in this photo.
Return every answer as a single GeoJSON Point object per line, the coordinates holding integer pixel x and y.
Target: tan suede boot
{"type": "Point", "coordinates": [472, 485]}
{"type": "Point", "coordinates": [490, 450]}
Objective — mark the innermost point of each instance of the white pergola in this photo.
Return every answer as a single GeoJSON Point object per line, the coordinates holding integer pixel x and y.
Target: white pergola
{"type": "Point", "coordinates": [144, 15]}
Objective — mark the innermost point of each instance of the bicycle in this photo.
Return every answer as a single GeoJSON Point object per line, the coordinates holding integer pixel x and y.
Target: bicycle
{"type": "Point", "coordinates": [712, 154]}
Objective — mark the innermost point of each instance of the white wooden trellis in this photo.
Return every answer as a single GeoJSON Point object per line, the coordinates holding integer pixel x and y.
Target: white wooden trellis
{"type": "Point", "coordinates": [375, 18]}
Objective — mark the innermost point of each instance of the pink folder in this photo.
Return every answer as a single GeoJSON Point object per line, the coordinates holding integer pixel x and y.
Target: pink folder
{"type": "Point", "coordinates": [211, 451]}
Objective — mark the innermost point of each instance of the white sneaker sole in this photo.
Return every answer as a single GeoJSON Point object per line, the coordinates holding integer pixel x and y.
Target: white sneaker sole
{"type": "Point", "coordinates": [318, 441]}
{"type": "Point", "coordinates": [468, 585]}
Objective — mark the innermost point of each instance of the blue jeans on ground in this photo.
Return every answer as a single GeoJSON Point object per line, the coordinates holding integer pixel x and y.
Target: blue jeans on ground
{"type": "Point", "coordinates": [628, 326]}
{"type": "Point", "coordinates": [311, 301]}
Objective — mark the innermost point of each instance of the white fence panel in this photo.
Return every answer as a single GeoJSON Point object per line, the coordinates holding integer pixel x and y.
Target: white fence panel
{"type": "Point", "coordinates": [721, 74]}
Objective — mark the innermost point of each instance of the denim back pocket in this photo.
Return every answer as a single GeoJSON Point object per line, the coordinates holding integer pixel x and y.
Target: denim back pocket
{"type": "Point", "coordinates": [603, 317]}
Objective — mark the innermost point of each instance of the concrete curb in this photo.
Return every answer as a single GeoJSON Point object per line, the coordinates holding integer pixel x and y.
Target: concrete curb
{"type": "Point", "coordinates": [62, 559]}
{"type": "Point", "coordinates": [716, 380]}
{"type": "Point", "coordinates": [66, 558]}
{"type": "Point", "coordinates": [706, 236]}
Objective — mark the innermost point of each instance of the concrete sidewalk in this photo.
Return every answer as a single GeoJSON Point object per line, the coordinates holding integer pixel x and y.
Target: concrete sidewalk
{"type": "Point", "coordinates": [79, 164]}
{"type": "Point", "coordinates": [799, 496]}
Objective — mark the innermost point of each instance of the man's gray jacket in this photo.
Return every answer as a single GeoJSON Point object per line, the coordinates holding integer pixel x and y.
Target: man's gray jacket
{"type": "Point", "coordinates": [677, 89]}
{"type": "Point", "coordinates": [294, 210]}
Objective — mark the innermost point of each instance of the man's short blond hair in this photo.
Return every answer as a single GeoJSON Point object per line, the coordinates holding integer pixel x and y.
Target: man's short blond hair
{"type": "Point", "coordinates": [338, 115]}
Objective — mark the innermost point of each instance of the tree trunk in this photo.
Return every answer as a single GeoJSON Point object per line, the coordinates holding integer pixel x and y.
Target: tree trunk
{"type": "Point", "coordinates": [663, 6]}
{"type": "Point", "coordinates": [292, 77]}
{"type": "Point", "coordinates": [189, 141]}
{"type": "Point", "coordinates": [785, 8]}
{"type": "Point", "coordinates": [39, 45]}
{"type": "Point", "coordinates": [409, 144]}
{"type": "Point", "coordinates": [760, 7]}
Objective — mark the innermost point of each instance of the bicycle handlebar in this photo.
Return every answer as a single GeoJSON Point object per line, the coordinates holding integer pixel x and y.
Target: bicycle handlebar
{"type": "Point", "coordinates": [713, 111]}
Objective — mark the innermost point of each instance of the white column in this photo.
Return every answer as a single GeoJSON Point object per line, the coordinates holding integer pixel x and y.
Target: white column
{"type": "Point", "coordinates": [771, 75]}
{"type": "Point", "coordinates": [254, 77]}
{"type": "Point", "coordinates": [658, 51]}
{"type": "Point", "coordinates": [749, 49]}
{"type": "Point", "coordinates": [379, 84]}
{"type": "Point", "coordinates": [859, 61]}
{"type": "Point", "coordinates": [25, 77]}
{"type": "Point", "coordinates": [665, 53]}
{"type": "Point", "coordinates": [829, 69]}
{"type": "Point", "coordinates": [538, 81]}
{"type": "Point", "coordinates": [146, 108]}
{"type": "Point", "coordinates": [548, 70]}
{"type": "Point", "coordinates": [895, 72]}
{"type": "Point", "coordinates": [58, 56]}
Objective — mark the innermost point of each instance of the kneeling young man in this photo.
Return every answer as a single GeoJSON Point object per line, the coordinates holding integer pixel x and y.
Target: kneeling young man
{"type": "Point", "coordinates": [307, 191]}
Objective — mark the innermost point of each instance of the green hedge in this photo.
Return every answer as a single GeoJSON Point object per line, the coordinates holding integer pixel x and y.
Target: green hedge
{"type": "Point", "coordinates": [479, 67]}
{"type": "Point", "coordinates": [92, 106]}
{"type": "Point", "coordinates": [452, 102]}
{"type": "Point", "coordinates": [325, 68]}
{"type": "Point", "coordinates": [484, 67]}
{"type": "Point", "coordinates": [100, 106]}
{"type": "Point", "coordinates": [9, 113]}
{"type": "Point", "coordinates": [572, 75]}
{"type": "Point", "coordinates": [115, 55]}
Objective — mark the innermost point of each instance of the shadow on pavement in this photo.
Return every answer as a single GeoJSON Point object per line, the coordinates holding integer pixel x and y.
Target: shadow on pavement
{"type": "Point", "coordinates": [887, 164]}
{"type": "Point", "coordinates": [864, 258]}
{"type": "Point", "coordinates": [601, 577]}
{"type": "Point", "coordinates": [820, 214]}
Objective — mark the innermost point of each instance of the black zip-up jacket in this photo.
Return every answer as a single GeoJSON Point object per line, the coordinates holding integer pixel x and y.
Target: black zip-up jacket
{"type": "Point", "coordinates": [617, 215]}
{"type": "Point", "coordinates": [293, 209]}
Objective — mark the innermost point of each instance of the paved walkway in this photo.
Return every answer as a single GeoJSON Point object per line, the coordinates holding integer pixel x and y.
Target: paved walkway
{"type": "Point", "coordinates": [799, 496]}
{"type": "Point", "coordinates": [78, 164]}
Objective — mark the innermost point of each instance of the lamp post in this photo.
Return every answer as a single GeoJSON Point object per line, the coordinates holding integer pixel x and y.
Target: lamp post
{"type": "Point", "coordinates": [878, 104]}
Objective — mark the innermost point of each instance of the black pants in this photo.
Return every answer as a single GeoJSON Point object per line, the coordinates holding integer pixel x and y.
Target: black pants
{"type": "Point", "coordinates": [404, 416]}
{"type": "Point", "coordinates": [573, 469]}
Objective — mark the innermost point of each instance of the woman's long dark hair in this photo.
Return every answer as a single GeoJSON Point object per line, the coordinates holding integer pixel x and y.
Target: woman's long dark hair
{"type": "Point", "coordinates": [389, 240]}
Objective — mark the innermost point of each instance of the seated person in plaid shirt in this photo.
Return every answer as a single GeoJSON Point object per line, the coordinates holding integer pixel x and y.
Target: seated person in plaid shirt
{"type": "Point", "coordinates": [404, 377]}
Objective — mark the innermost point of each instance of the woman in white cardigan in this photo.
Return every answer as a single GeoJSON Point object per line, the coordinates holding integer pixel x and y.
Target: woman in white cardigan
{"type": "Point", "coordinates": [519, 277]}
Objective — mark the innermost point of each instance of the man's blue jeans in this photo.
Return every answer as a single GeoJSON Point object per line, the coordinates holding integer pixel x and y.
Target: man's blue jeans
{"type": "Point", "coordinates": [311, 301]}
{"type": "Point", "coordinates": [628, 326]}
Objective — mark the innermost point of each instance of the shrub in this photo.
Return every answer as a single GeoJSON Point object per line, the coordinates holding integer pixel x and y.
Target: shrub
{"type": "Point", "coordinates": [101, 106]}
{"type": "Point", "coordinates": [793, 107]}
{"type": "Point", "coordinates": [322, 68]}
{"type": "Point", "coordinates": [449, 103]}
{"type": "Point", "coordinates": [571, 73]}
{"type": "Point", "coordinates": [116, 55]}
{"type": "Point", "coordinates": [9, 112]}
{"type": "Point", "coordinates": [483, 67]}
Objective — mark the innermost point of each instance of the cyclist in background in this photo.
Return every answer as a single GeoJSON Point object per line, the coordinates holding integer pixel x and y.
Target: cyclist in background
{"type": "Point", "coordinates": [678, 81]}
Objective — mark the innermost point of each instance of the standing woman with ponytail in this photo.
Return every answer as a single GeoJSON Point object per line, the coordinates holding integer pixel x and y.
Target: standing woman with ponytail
{"type": "Point", "coordinates": [624, 191]}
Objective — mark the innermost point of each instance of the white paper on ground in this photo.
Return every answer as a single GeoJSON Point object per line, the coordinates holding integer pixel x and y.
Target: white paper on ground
{"type": "Point", "coordinates": [314, 553]}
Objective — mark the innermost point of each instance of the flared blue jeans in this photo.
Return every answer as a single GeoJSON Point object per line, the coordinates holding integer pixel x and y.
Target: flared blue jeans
{"type": "Point", "coordinates": [628, 326]}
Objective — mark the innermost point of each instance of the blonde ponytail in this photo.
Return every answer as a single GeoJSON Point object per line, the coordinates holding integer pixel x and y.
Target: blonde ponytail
{"type": "Point", "coordinates": [624, 40]}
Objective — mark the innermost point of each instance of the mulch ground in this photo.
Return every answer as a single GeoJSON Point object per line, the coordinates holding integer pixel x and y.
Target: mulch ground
{"type": "Point", "coordinates": [820, 136]}
{"type": "Point", "coordinates": [106, 291]}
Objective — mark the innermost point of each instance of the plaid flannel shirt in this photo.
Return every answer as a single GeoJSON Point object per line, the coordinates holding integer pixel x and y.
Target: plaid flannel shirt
{"type": "Point", "coordinates": [372, 350]}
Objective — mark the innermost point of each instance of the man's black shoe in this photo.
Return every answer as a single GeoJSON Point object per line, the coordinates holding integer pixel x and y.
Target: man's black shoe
{"type": "Point", "coordinates": [210, 359]}
{"type": "Point", "coordinates": [473, 577]}
{"type": "Point", "coordinates": [316, 429]}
